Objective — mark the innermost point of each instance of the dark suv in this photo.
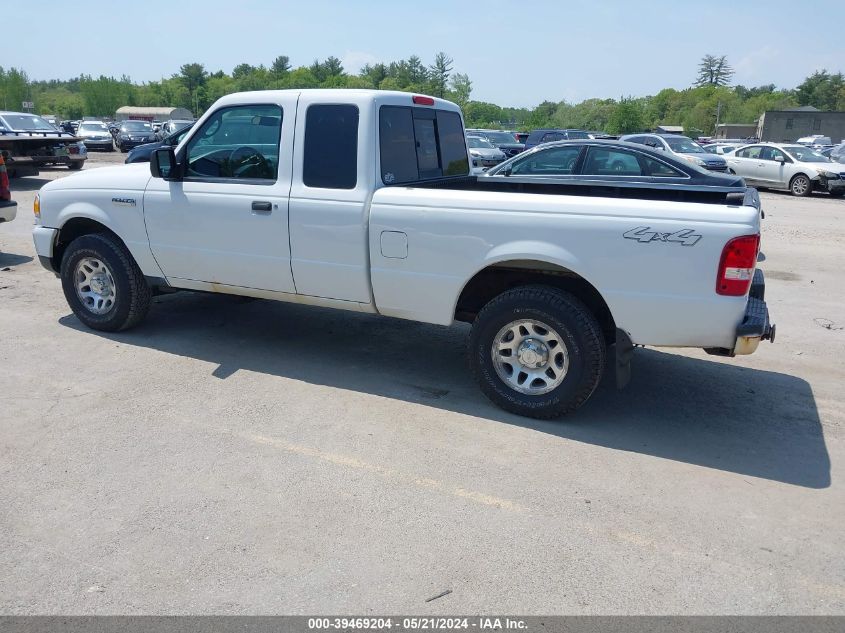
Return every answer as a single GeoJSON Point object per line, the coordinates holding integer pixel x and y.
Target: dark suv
{"type": "Point", "coordinates": [538, 137]}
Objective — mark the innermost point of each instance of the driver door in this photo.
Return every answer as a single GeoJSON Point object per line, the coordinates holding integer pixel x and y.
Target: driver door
{"type": "Point", "coordinates": [226, 221]}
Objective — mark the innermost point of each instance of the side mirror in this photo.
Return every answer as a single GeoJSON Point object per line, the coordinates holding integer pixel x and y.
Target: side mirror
{"type": "Point", "coordinates": [163, 164]}
{"type": "Point", "coordinates": [780, 159]}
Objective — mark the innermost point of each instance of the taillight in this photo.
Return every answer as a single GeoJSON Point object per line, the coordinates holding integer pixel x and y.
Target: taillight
{"type": "Point", "coordinates": [421, 100]}
{"type": "Point", "coordinates": [736, 266]}
{"type": "Point", "coordinates": [5, 194]}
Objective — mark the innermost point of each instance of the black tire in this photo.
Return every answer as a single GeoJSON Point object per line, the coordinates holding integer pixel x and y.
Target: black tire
{"type": "Point", "coordinates": [796, 190]}
{"type": "Point", "coordinates": [132, 294]}
{"type": "Point", "coordinates": [74, 165]}
{"type": "Point", "coordinates": [573, 322]}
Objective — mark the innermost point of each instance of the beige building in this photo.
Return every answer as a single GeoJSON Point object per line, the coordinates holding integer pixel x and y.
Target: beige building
{"type": "Point", "coordinates": [139, 113]}
{"type": "Point", "coordinates": [735, 130]}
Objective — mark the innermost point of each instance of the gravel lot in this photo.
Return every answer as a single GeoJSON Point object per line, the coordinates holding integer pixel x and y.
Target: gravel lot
{"type": "Point", "coordinates": [243, 456]}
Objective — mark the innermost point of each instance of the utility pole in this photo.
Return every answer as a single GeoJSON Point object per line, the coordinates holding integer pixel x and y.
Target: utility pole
{"type": "Point", "coordinates": [718, 114]}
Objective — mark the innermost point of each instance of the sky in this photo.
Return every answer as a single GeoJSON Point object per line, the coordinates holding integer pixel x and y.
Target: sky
{"type": "Point", "coordinates": [516, 53]}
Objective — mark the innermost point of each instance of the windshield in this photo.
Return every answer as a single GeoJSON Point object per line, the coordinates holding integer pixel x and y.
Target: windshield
{"type": "Point", "coordinates": [92, 127]}
{"type": "Point", "coordinates": [683, 145]}
{"type": "Point", "coordinates": [27, 122]}
{"type": "Point", "coordinates": [136, 126]}
{"type": "Point", "coordinates": [500, 137]}
{"type": "Point", "coordinates": [477, 141]}
{"type": "Point", "coordinates": [806, 154]}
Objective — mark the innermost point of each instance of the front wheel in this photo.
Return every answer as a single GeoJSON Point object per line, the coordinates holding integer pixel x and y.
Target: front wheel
{"type": "Point", "coordinates": [801, 186]}
{"type": "Point", "coordinates": [74, 165]}
{"type": "Point", "coordinates": [537, 351]}
{"type": "Point", "coordinates": [102, 283]}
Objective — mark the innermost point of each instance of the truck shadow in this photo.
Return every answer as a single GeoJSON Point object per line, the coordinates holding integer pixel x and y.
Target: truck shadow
{"type": "Point", "coordinates": [708, 413]}
{"type": "Point", "coordinates": [13, 259]}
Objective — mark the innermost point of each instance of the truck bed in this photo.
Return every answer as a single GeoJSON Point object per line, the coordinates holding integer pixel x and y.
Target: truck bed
{"type": "Point", "coordinates": [735, 195]}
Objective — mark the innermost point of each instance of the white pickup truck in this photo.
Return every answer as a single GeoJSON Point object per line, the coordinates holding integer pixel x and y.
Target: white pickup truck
{"type": "Point", "coordinates": [362, 200]}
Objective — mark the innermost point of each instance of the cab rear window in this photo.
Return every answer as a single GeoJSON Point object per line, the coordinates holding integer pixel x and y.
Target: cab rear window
{"type": "Point", "coordinates": [420, 144]}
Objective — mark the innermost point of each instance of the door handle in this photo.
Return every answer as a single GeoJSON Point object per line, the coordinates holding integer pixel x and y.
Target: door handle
{"type": "Point", "coordinates": [258, 205]}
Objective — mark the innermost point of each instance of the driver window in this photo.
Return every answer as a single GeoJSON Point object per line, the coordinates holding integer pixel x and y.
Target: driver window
{"type": "Point", "coordinates": [552, 162]}
{"type": "Point", "coordinates": [240, 142]}
{"type": "Point", "coordinates": [750, 152]}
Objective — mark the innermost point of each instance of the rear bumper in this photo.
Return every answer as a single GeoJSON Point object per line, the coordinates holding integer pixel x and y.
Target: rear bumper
{"type": "Point", "coordinates": [755, 325]}
{"type": "Point", "coordinates": [8, 210]}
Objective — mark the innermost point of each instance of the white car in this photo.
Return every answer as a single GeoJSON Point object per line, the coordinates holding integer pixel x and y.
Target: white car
{"type": "Point", "coordinates": [361, 200]}
{"type": "Point", "coordinates": [798, 168]}
{"type": "Point", "coordinates": [721, 148]}
{"type": "Point", "coordinates": [483, 154]}
{"type": "Point", "coordinates": [682, 146]}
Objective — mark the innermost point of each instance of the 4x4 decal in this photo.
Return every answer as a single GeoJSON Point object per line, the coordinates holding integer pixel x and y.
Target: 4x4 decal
{"type": "Point", "coordinates": [686, 237]}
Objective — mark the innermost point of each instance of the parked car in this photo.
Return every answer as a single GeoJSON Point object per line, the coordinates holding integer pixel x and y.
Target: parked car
{"type": "Point", "coordinates": [376, 214]}
{"type": "Point", "coordinates": [142, 153]}
{"type": "Point", "coordinates": [837, 153]}
{"type": "Point", "coordinates": [521, 137]}
{"type": "Point", "coordinates": [816, 140]}
{"type": "Point", "coordinates": [798, 168]}
{"type": "Point", "coordinates": [8, 207]}
{"type": "Point", "coordinates": [504, 141]}
{"type": "Point", "coordinates": [482, 154]}
{"type": "Point", "coordinates": [537, 137]}
{"type": "Point", "coordinates": [721, 148]}
{"type": "Point", "coordinates": [134, 133]}
{"type": "Point", "coordinates": [29, 142]}
{"type": "Point", "coordinates": [681, 146]}
{"type": "Point", "coordinates": [169, 127]}
{"type": "Point", "coordinates": [95, 135]}
{"type": "Point", "coordinates": [616, 163]}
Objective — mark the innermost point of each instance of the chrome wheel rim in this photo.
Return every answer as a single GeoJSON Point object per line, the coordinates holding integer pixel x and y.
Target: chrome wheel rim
{"type": "Point", "coordinates": [95, 285]}
{"type": "Point", "coordinates": [530, 357]}
{"type": "Point", "coordinates": [799, 186]}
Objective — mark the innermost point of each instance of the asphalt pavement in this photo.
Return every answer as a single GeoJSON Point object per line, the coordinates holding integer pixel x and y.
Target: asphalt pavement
{"type": "Point", "coordinates": [243, 456]}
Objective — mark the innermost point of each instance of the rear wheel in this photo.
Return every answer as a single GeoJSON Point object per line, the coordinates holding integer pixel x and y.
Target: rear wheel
{"type": "Point", "coordinates": [102, 283]}
{"type": "Point", "coordinates": [74, 164]}
{"type": "Point", "coordinates": [801, 186]}
{"type": "Point", "coordinates": [537, 351]}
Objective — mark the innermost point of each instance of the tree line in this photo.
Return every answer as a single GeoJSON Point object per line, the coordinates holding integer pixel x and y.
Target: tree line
{"type": "Point", "coordinates": [697, 108]}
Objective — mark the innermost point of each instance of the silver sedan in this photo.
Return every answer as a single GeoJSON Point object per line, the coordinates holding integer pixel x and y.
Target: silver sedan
{"type": "Point", "coordinates": [798, 168]}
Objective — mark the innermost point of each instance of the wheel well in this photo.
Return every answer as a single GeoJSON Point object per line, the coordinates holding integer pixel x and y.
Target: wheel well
{"type": "Point", "coordinates": [495, 280]}
{"type": "Point", "coordinates": [73, 228]}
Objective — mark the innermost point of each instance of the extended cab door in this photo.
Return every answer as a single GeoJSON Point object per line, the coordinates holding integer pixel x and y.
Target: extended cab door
{"type": "Point", "coordinates": [226, 221]}
{"type": "Point", "coordinates": [332, 182]}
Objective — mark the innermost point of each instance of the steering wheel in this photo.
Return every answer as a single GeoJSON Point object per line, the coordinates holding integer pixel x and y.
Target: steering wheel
{"type": "Point", "coordinates": [244, 159]}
